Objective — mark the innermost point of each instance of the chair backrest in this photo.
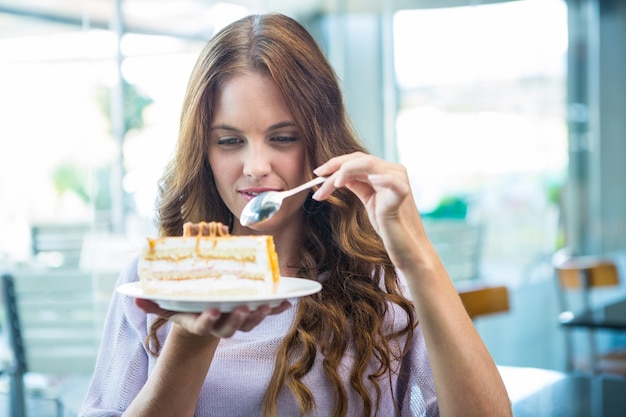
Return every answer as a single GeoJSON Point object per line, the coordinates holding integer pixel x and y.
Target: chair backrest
{"type": "Point", "coordinates": [61, 243]}
{"type": "Point", "coordinates": [459, 245]}
{"type": "Point", "coordinates": [582, 274]}
{"type": "Point", "coordinates": [485, 300]}
{"type": "Point", "coordinates": [599, 274]}
{"type": "Point", "coordinates": [51, 317]}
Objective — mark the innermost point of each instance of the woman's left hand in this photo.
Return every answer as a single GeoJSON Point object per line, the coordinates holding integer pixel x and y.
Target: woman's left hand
{"type": "Point", "coordinates": [384, 189]}
{"type": "Point", "coordinates": [212, 322]}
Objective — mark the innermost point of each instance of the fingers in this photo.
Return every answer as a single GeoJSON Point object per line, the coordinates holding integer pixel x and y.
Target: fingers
{"type": "Point", "coordinates": [254, 318]}
{"type": "Point", "coordinates": [389, 182]}
{"type": "Point", "coordinates": [245, 320]}
{"type": "Point", "coordinates": [227, 324]}
{"type": "Point", "coordinates": [151, 307]}
{"type": "Point", "coordinates": [213, 322]}
{"type": "Point", "coordinates": [335, 163]}
{"type": "Point", "coordinates": [360, 173]}
{"type": "Point", "coordinates": [285, 305]}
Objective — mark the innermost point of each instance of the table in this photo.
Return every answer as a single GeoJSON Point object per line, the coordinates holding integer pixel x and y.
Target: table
{"type": "Point", "coordinates": [611, 317]}
{"type": "Point", "coordinates": [544, 393]}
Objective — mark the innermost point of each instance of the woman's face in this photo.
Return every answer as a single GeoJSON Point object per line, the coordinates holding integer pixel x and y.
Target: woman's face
{"type": "Point", "coordinates": [254, 147]}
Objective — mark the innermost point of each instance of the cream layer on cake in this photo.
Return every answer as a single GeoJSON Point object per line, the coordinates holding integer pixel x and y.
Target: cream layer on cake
{"type": "Point", "coordinates": [205, 261]}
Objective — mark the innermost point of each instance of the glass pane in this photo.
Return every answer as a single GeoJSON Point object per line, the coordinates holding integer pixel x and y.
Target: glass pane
{"type": "Point", "coordinates": [59, 151]}
{"type": "Point", "coordinates": [481, 125]}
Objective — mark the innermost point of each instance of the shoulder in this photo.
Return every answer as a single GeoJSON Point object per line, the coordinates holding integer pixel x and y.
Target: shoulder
{"type": "Point", "coordinates": [129, 273]}
{"type": "Point", "coordinates": [122, 307]}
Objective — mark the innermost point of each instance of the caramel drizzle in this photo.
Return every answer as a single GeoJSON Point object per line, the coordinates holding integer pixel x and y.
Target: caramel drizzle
{"type": "Point", "coordinates": [213, 229]}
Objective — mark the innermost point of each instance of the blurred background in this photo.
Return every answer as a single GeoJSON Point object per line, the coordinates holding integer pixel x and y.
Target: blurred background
{"type": "Point", "coordinates": [509, 115]}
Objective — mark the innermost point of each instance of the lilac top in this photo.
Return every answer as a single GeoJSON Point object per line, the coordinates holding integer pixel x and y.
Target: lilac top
{"type": "Point", "coordinates": [241, 369]}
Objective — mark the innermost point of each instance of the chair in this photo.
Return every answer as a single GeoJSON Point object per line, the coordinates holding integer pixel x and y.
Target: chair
{"type": "Point", "coordinates": [578, 279]}
{"type": "Point", "coordinates": [49, 320]}
{"type": "Point", "coordinates": [485, 300]}
{"type": "Point", "coordinates": [58, 244]}
{"type": "Point", "coordinates": [459, 245]}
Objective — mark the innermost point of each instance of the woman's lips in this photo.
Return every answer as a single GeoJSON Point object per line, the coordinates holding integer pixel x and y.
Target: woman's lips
{"type": "Point", "coordinates": [250, 193]}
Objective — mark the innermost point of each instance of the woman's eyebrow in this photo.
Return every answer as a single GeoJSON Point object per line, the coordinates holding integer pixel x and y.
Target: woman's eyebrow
{"type": "Point", "coordinates": [225, 127]}
{"type": "Point", "coordinates": [281, 125]}
{"type": "Point", "coordinates": [278, 125]}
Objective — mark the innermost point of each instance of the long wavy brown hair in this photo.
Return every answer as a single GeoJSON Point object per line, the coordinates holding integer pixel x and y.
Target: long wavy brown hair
{"type": "Point", "coordinates": [348, 315]}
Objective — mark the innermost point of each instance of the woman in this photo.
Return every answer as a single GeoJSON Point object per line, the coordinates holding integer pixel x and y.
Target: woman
{"type": "Point", "coordinates": [387, 335]}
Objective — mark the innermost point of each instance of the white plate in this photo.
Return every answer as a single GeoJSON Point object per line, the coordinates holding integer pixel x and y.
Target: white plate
{"type": "Point", "coordinates": [288, 289]}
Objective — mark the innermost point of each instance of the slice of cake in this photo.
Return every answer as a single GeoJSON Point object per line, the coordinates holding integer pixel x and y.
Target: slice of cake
{"type": "Point", "coordinates": [207, 261]}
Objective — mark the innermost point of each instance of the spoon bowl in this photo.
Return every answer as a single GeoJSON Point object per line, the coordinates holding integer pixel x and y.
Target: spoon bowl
{"type": "Point", "coordinates": [265, 205]}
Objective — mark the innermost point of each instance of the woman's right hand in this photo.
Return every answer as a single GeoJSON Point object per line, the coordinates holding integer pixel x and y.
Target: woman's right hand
{"type": "Point", "coordinates": [212, 322]}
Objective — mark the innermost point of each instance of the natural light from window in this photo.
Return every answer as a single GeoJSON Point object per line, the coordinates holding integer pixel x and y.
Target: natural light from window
{"type": "Point", "coordinates": [482, 119]}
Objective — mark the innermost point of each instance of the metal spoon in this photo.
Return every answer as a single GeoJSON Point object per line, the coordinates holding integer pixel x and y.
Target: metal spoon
{"type": "Point", "coordinates": [266, 204]}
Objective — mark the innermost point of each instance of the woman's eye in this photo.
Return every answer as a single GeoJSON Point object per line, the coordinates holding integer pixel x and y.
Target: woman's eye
{"type": "Point", "coordinates": [284, 139]}
{"type": "Point", "coordinates": [228, 141]}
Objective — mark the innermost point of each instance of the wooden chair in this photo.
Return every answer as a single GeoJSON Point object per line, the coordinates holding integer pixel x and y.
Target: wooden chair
{"type": "Point", "coordinates": [485, 300]}
{"type": "Point", "coordinates": [578, 278]}
{"type": "Point", "coordinates": [49, 320]}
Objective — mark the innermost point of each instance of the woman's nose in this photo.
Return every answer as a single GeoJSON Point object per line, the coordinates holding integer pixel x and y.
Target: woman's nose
{"type": "Point", "coordinates": [256, 163]}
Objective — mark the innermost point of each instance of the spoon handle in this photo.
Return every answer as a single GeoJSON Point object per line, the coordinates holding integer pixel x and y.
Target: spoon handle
{"type": "Point", "coordinates": [308, 184]}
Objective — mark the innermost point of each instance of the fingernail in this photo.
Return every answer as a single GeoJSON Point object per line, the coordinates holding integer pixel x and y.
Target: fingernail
{"type": "Point", "coordinates": [214, 314]}
{"type": "Point", "coordinates": [315, 195]}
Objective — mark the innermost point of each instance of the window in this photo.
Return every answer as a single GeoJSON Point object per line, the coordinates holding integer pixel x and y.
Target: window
{"type": "Point", "coordinates": [62, 162]}
{"type": "Point", "coordinates": [481, 123]}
